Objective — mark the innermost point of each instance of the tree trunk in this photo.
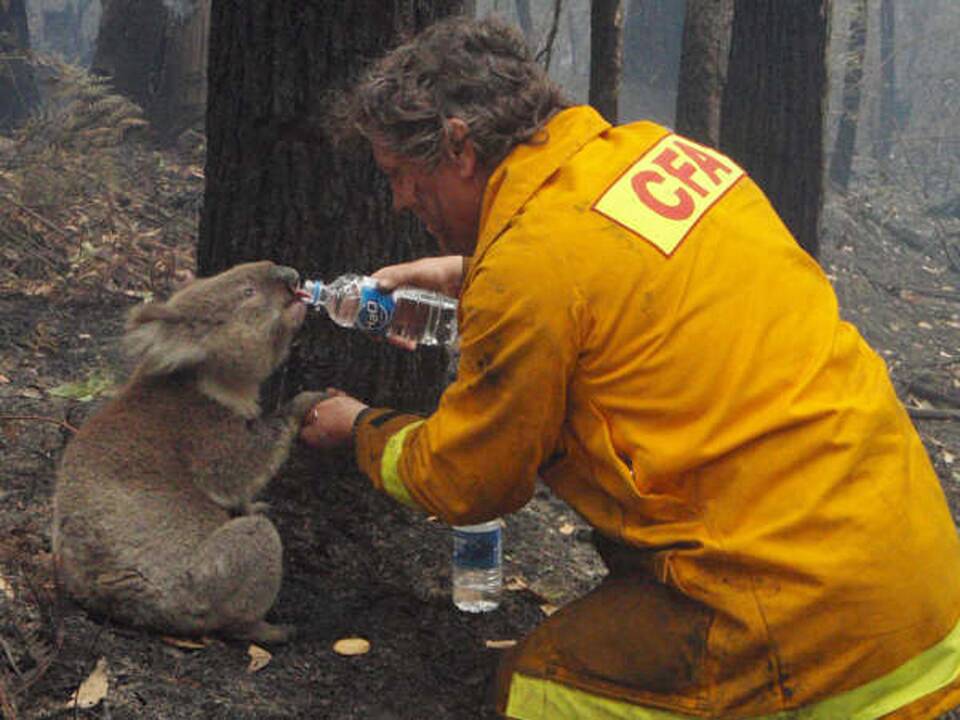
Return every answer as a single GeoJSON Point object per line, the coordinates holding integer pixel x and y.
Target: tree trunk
{"type": "Point", "coordinates": [526, 20]}
{"type": "Point", "coordinates": [18, 90]}
{"type": "Point", "coordinates": [130, 45]}
{"type": "Point", "coordinates": [275, 189]}
{"type": "Point", "coordinates": [64, 27]}
{"type": "Point", "coordinates": [155, 53]}
{"type": "Point", "coordinates": [703, 69]}
{"type": "Point", "coordinates": [887, 126]}
{"type": "Point", "coordinates": [181, 100]}
{"type": "Point", "coordinates": [606, 56]}
{"type": "Point", "coordinates": [845, 145]}
{"type": "Point", "coordinates": [653, 38]}
{"type": "Point", "coordinates": [772, 117]}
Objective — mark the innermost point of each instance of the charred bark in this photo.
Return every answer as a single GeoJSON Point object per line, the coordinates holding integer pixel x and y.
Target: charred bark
{"type": "Point", "coordinates": [773, 103]}
{"type": "Point", "coordinates": [703, 69]}
{"type": "Point", "coordinates": [887, 125]}
{"type": "Point", "coordinates": [525, 19]}
{"type": "Point", "coordinates": [844, 148]}
{"type": "Point", "coordinates": [653, 39]}
{"type": "Point", "coordinates": [276, 189]}
{"type": "Point", "coordinates": [606, 56]}
{"type": "Point", "coordinates": [155, 54]}
{"type": "Point", "coordinates": [18, 90]}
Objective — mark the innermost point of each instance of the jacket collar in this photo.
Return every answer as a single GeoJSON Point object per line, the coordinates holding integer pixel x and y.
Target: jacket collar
{"type": "Point", "coordinates": [529, 165]}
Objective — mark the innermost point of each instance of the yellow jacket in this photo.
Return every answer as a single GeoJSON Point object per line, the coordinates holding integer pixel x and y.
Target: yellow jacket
{"type": "Point", "coordinates": [640, 329]}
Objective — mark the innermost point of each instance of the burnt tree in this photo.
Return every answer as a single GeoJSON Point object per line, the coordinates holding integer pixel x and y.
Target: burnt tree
{"type": "Point", "coordinates": [887, 124]}
{"type": "Point", "coordinates": [606, 56]}
{"type": "Point", "coordinates": [155, 53]}
{"type": "Point", "coordinates": [18, 90]}
{"type": "Point", "coordinates": [773, 106]}
{"type": "Point", "coordinates": [844, 148]}
{"type": "Point", "coordinates": [653, 34]}
{"type": "Point", "coordinates": [276, 189]}
{"type": "Point", "coordinates": [703, 69]}
{"type": "Point", "coordinates": [525, 19]}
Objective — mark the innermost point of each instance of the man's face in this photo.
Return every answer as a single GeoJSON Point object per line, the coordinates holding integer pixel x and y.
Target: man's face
{"type": "Point", "coordinates": [445, 198]}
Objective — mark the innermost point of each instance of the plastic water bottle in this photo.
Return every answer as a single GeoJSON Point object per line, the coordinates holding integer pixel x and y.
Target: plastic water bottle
{"type": "Point", "coordinates": [409, 313]}
{"type": "Point", "coordinates": [478, 566]}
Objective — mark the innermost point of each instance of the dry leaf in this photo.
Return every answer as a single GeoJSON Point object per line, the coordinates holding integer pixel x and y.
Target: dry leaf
{"type": "Point", "coordinates": [93, 689]}
{"type": "Point", "coordinates": [185, 643]}
{"type": "Point", "coordinates": [500, 644]}
{"type": "Point", "coordinates": [567, 529]}
{"type": "Point", "coordinates": [548, 609]}
{"type": "Point", "coordinates": [948, 458]}
{"type": "Point", "coordinates": [515, 584]}
{"type": "Point", "coordinates": [351, 646]}
{"type": "Point", "coordinates": [4, 379]}
{"type": "Point", "coordinates": [925, 325]}
{"type": "Point", "coordinates": [6, 588]}
{"type": "Point", "coordinates": [259, 658]}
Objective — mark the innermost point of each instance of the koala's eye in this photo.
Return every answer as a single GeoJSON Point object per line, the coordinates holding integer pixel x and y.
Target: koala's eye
{"type": "Point", "coordinates": [249, 292]}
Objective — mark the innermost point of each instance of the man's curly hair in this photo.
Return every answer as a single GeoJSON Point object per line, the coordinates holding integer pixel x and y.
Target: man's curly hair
{"type": "Point", "coordinates": [480, 71]}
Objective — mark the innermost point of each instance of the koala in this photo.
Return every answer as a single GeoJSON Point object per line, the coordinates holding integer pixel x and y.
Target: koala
{"type": "Point", "coordinates": [154, 521]}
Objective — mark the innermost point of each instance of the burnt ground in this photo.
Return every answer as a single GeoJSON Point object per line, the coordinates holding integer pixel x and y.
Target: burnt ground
{"type": "Point", "coordinates": [73, 259]}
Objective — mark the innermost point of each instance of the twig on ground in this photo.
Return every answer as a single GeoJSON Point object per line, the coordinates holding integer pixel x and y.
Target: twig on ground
{"type": "Point", "coordinates": [10, 658]}
{"type": "Point", "coordinates": [38, 418]}
{"type": "Point", "coordinates": [39, 218]}
{"type": "Point", "coordinates": [7, 710]}
{"type": "Point", "coordinates": [932, 413]}
{"type": "Point", "coordinates": [928, 391]}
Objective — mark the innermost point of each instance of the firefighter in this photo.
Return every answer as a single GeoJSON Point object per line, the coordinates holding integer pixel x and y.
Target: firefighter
{"type": "Point", "coordinates": [640, 330]}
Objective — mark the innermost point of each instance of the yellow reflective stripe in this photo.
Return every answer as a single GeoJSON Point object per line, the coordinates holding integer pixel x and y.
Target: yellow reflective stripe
{"type": "Point", "coordinates": [389, 466]}
{"type": "Point", "coordinates": [535, 699]}
{"type": "Point", "coordinates": [933, 669]}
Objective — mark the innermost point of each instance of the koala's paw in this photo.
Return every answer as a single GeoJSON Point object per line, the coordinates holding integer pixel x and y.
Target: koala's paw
{"type": "Point", "coordinates": [303, 402]}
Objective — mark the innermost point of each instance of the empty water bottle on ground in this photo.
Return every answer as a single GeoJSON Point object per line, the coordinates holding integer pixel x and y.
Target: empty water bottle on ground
{"type": "Point", "coordinates": [422, 316]}
{"type": "Point", "coordinates": [478, 566]}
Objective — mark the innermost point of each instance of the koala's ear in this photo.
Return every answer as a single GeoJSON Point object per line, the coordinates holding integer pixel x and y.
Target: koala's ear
{"type": "Point", "coordinates": [161, 338]}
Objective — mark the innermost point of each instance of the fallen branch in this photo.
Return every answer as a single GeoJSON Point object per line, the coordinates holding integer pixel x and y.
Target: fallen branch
{"type": "Point", "coordinates": [7, 710]}
{"type": "Point", "coordinates": [929, 292]}
{"type": "Point", "coordinates": [38, 418]}
{"type": "Point", "coordinates": [934, 393]}
{"type": "Point", "coordinates": [932, 413]}
{"type": "Point", "coordinates": [38, 217]}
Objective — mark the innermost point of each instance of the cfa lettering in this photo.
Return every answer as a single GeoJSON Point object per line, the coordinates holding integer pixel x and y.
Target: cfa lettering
{"type": "Point", "coordinates": [690, 173]}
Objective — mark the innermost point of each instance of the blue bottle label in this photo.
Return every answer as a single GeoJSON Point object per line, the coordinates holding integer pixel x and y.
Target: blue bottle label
{"type": "Point", "coordinates": [476, 550]}
{"type": "Point", "coordinates": [376, 309]}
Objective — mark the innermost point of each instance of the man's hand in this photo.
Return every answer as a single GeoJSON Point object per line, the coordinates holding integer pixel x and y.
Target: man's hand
{"type": "Point", "coordinates": [442, 274]}
{"type": "Point", "coordinates": [329, 423]}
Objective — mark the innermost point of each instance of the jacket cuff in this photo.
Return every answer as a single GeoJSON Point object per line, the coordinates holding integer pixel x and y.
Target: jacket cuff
{"type": "Point", "coordinates": [378, 435]}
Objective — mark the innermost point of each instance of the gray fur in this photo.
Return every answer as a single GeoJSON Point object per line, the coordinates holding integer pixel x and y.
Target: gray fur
{"type": "Point", "coordinates": [154, 519]}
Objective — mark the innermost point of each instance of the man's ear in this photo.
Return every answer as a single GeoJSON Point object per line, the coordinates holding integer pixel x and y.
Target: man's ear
{"type": "Point", "coordinates": [462, 151]}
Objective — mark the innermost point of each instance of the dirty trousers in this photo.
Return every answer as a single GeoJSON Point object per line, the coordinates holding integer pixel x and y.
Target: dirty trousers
{"type": "Point", "coordinates": [588, 644]}
{"type": "Point", "coordinates": [633, 648]}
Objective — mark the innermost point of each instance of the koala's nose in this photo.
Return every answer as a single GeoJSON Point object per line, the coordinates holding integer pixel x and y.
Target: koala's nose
{"type": "Point", "coordinates": [287, 275]}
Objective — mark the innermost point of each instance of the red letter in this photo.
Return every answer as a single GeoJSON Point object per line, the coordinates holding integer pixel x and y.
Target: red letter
{"type": "Point", "coordinates": [680, 211]}
{"type": "Point", "coordinates": [709, 164]}
{"type": "Point", "coordinates": [683, 173]}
